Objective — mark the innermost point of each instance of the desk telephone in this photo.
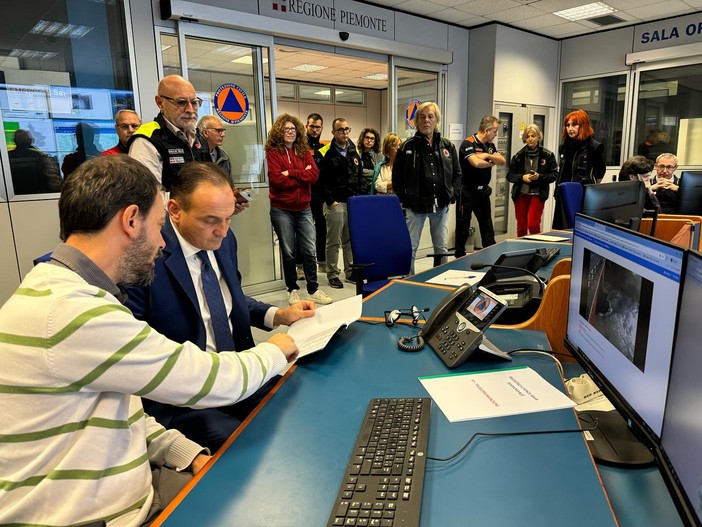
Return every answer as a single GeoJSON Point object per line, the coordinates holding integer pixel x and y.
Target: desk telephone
{"type": "Point", "coordinates": [455, 328]}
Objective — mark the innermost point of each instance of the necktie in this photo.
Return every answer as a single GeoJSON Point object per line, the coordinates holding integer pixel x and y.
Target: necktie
{"type": "Point", "coordinates": [218, 313]}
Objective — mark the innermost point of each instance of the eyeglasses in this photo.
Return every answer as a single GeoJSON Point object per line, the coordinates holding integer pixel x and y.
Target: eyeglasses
{"type": "Point", "coordinates": [290, 129]}
{"type": "Point", "coordinates": [393, 316]}
{"type": "Point", "coordinates": [346, 130]}
{"type": "Point", "coordinates": [127, 126]}
{"type": "Point", "coordinates": [183, 103]}
{"type": "Point", "coordinates": [666, 167]}
{"type": "Point", "coordinates": [369, 138]}
{"type": "Point", "coordinates": [220, 131]}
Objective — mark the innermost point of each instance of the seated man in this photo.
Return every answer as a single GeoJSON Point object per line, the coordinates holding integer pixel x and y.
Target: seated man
{"type": "Point", "coordinates": [76, 446]}
{"type": "Point", "coordinates": [665, 183]}
{"type": "Point", "coordinates": [179, 304]}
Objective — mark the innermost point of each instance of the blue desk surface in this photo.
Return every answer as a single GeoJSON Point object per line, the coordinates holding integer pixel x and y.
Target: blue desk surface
{"type": "Point", "coordinates": [490, 254]}
{"type": "Point", "coordinates": [285, 467]}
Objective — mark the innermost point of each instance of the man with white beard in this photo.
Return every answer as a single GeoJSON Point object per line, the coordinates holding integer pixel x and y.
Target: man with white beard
{"type": "Point", "coordinates": [165, 144]}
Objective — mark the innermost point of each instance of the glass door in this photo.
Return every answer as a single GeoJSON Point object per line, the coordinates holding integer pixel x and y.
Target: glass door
{"type": "Point", "coordinates": [412, 84]}
{"type": "Point", "coordinates": [232, 72]}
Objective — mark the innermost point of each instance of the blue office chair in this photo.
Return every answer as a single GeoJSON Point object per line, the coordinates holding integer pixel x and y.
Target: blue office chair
{"type": "Point", "coordinates": [43, 258]}
{"type": "Point", "coordinates": [380, 241]}
{"type": "Point", "coordinates": [571, 194]}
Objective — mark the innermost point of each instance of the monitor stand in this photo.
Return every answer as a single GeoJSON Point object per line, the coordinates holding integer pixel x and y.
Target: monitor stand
{"type": "Point", "coordinates": [613, 443]}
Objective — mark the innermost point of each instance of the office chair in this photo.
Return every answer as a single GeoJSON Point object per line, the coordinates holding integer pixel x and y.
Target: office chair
{"type": "Point", "coordinates": [380, 241]}
{"type": "Point", "coordinates": [572, 198]}
{"type": "Point", "coordinates": [43, 258]}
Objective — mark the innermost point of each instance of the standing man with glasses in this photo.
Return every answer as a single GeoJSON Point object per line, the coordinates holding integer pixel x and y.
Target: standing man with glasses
{"type": "Point", "coordinates": [665, 184]}
{"type": "Point", "coordinates": [340, 177]}
{"type": "Point", "coordinates": [169, 141]}
{"type": "Point", "coordinates": [126, 123]}
{"type": "Point", "coordinates": [426, 177]}
{"type": "Point", "coordinates": [212, 132]}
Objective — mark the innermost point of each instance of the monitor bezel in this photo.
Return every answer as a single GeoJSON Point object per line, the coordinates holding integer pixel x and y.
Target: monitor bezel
{"type": "Point", "coordinates": [683, 187]}
{"type": "Point", "coordinates": [608, 190]}
{"type": "Point", "coordinates": [637, 424]}
{"type": "Point", "coordinates": [677, 491]}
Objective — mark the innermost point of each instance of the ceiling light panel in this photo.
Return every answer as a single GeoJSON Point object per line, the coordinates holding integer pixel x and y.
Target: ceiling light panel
{"type": "Point", "coordinates": [585, 11]}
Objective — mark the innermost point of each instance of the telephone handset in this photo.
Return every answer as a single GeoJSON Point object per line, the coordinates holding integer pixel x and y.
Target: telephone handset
{"type": "Point", "coordinates": [455, 328]}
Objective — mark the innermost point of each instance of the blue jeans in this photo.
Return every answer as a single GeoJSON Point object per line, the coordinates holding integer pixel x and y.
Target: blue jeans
{"type": "Point", "coordinates": [296, 228]}
{"type": "Point", "coordinates": [438, 224]}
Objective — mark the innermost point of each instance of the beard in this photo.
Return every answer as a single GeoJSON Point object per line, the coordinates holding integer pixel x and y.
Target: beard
{"type": "Point", "coordinates": [136, 267]}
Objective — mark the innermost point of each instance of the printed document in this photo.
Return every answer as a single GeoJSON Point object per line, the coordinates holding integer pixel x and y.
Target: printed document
{"type": "Point", "coordinates": [312, 334]}
{"type": "Point", "coordinates": [479, 395]}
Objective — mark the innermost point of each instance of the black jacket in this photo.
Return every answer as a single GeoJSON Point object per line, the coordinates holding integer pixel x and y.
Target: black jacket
{"type": "Point", "coordinates": [340, 177]}
{"type": "Point", "coordinates": [413, 185]}
{"type": "Point", "coordinates": [547, 169]}
{"type": "Point", "coordinates": [587, 165]}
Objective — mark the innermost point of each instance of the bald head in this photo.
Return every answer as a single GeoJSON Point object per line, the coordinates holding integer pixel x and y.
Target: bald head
{"type": "Point", "coordinates": [178, 102]}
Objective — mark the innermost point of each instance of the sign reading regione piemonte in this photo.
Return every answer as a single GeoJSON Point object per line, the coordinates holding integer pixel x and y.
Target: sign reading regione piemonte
{"type": "Point", "coordinates": [231, 103]}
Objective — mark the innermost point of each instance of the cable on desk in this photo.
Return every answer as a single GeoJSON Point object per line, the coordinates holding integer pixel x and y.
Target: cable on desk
{"type": "Point", "coordinates": [550, 355]}
{"type": "Point", "coordinates": [525, 433]}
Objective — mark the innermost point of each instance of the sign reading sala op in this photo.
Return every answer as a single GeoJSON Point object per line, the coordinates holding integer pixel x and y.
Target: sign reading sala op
{"type": "Point", "coordinates": [231, 103]}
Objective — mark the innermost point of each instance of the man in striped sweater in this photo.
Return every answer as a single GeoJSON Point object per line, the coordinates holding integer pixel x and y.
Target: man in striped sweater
{"type": "Point", "coordinates": [76, 446]}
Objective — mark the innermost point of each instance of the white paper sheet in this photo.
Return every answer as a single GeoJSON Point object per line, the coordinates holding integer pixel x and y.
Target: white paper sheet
{"type": "Point", "coordinates": [479, 395]}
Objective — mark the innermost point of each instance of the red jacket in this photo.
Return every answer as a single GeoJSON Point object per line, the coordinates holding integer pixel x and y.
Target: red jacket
{"type": "Point", "coordinates": [291, 192]}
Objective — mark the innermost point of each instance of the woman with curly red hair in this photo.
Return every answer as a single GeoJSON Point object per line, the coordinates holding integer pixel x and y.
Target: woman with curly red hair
{"type": "Point", "coordinates": [581, 158]}
{"type": "Point", "coordinates": [291, 171]}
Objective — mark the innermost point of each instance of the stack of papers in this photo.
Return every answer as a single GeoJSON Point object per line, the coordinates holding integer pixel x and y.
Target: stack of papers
{"type": "Point", "coordinates": [478, 395]}
{"type": "Point", "coordinates": [312, 334]}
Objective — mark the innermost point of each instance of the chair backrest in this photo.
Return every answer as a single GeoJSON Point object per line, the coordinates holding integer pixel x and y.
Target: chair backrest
{"type": "Point", "coordinates": [379, 235]}
{"type": "Point", "coordinates": [563, 266]}
{"type": "Point", "coordinates": [551, 317]}
{"type": "Point", "coordinates": [43, 258]}
{"type": "Point", "coordinates": [572, 198]}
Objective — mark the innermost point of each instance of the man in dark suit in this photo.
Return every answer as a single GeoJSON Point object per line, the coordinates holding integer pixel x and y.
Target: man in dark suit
{"type": "Point", "coordinates": [199, 242]}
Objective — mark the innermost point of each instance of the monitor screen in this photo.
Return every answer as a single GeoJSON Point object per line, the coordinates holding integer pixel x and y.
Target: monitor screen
{"type": "Point", "coordinates": [615, 202]}
{"type": "Point", "coordinates": [621, 320]}
{"type": "Point", "coordinates": [682, 427]}
{"type": "Point", "coordinates": [690, 193]}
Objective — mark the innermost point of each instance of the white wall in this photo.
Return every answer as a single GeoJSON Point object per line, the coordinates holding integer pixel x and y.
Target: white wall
{"type": "Point", "coordinates": [526, 68]}
{"type": "Point", "coordinates": [597, 54]}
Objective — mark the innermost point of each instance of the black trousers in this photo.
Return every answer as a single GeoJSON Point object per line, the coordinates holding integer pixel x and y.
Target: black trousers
{"type": "Point", "coordinates": [474, 201]}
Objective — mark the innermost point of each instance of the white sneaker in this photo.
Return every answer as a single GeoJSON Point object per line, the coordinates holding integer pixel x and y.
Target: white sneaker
{"type": "Point", "coordinates": [320, 297]}
{"type": "Point", "coordinates": [293, 297]}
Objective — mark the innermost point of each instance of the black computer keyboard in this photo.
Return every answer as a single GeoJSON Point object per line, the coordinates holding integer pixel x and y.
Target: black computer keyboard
{"type": "Point", "coordinates": [383, 482]}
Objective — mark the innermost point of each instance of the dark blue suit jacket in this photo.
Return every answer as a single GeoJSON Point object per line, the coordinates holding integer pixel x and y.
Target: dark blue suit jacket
{"type": "Point", "coordinates": [170, 306]}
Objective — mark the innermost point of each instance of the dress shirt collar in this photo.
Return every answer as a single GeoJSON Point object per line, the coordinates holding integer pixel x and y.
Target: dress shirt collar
{"type": "Point", "coordinates": [187, 137]}
{"type": "Point", "coordinates": [71, 258]}
{"type": "Point", "coordinates": [188, 248]}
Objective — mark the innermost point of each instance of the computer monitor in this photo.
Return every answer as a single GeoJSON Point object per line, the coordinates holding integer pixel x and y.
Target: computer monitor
{"type": "Point", "coordinates": [622, 311]}
{"type": "Point", "coordinates": [681, 438]}
{"type": "Point", "coordinates": [690, 193]}
{"type": "Point", "coordinates": [621, 203]}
